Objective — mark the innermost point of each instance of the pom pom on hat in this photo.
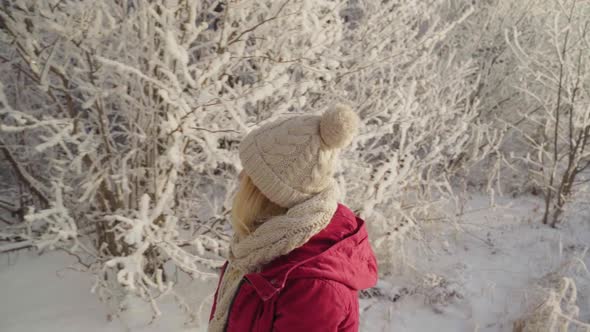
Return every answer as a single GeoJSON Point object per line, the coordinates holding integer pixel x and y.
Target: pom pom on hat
{"type": "Point", "coordinates": [338, 126]}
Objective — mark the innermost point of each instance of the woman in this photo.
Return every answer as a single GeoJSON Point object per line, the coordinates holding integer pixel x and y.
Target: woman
{"type": "Point", "coordinates": [298, 257]}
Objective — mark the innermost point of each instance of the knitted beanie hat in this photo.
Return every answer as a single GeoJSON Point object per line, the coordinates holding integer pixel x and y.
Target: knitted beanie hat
{"type": "Point", "coordinates": [292, 159]}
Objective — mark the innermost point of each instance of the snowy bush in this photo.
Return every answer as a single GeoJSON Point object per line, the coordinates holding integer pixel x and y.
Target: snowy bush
{"type": "Point", "coordinates": [422, 123]}
{"type": "Point", "coordinates": [558, 308]}
{"type": "Point", "coordinates": [129, 113]}
{"type": "Point", "coordinates": [552, 74]}
{"type": "Point", "coordinates": [481, 40]}
{"type": "Point", "coordinates": [532, 65]}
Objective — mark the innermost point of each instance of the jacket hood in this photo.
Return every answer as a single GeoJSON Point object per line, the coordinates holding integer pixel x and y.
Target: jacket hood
{"type": "Point", "coordinates": [341, 252]}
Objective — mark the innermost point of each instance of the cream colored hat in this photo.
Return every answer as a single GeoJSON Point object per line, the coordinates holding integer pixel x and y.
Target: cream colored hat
{"type": "Point", "coordinates": [292, 159]}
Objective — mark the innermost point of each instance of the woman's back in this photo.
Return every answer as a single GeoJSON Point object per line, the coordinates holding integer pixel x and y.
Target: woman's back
{"type": "Point", "coordinates": [314, 287]}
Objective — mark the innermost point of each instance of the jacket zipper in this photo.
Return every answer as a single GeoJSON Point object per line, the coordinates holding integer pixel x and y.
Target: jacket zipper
{"type": "Point", "coordinates": [232, 303]}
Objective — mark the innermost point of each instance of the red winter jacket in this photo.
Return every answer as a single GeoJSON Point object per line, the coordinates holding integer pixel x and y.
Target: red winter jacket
{"type": "Point", "coordinates": [313, 288]}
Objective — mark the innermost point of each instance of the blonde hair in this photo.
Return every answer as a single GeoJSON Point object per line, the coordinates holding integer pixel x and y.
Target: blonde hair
{"type": "Point", "coordinates": [250, 207]}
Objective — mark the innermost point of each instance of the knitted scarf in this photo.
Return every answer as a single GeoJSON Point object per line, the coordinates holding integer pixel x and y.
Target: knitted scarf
{"type": "Point", "coordinates": [275, 237]}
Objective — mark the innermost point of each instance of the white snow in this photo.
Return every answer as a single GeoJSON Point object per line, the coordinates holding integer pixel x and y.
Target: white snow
{"type": "Point", "coordinates": [489, 271]}
{"type": "Point", "coordinates": [39, 293]}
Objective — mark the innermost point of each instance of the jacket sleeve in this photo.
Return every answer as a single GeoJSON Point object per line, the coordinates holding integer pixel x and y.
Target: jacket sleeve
{"type": "Point", "coordinates": [313, 305]}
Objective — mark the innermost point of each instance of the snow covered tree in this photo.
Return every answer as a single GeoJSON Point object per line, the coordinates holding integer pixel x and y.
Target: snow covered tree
{"type": "Point", "coordinates": [129, 112]}
{"type": "Point", "coordinates": [554, 71]}
{"type": "Point", "coordinates": [532, 68]}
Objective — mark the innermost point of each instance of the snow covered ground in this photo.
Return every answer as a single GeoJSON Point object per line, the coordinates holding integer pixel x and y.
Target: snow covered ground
{"type": "Point", "coordinates": [39, 293]}
{"type": "Point", "coordinates": [484, 275]}
{"type": "Point", "coordinates": [478, 275]}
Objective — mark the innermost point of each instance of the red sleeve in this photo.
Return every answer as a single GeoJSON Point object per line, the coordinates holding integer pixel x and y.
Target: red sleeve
{"type": "Point", "coordinates": [312, 305]}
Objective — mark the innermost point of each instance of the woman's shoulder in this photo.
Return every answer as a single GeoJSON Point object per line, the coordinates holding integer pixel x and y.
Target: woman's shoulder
{"type": "Point", "coordinates": [318, 289]}
{"type": "Point", "coordinates": [315, 305]}
{"type": "Point", "coordinates": [328, 287]}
